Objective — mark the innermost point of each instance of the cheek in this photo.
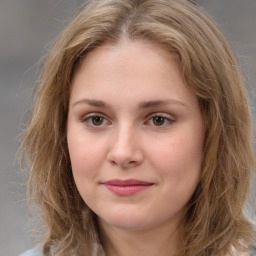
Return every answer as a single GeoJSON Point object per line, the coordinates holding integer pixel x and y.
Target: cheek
{"type": "Point", "coordinates": [179, 150]}
{"type": "Point", "coordinates": [86, 160]}
{"type": "Point", "coordinates": [179, 160]}
{"type": "Point", "coordinates": [85, 155]}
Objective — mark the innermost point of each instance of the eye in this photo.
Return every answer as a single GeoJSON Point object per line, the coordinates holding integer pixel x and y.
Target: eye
{"type": "Point", "coordinates": [95, 120]}
{"type": "Point", "coordinates": [161, 120]}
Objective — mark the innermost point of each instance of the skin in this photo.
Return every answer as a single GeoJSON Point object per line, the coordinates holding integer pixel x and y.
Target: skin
{"type": "Point", "coordinates": [132, 116]}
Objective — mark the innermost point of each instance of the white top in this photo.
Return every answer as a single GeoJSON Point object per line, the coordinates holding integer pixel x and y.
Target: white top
{"type": "Point", "coordinates": [33, 252]}
{"type": "Point", "coordinates": [97, 251]}
{"type": "Point", "coordinates": [37, 251]}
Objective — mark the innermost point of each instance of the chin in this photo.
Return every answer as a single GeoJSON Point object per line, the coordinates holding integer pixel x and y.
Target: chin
{"type": "Point", "coordinates": [124, 221]}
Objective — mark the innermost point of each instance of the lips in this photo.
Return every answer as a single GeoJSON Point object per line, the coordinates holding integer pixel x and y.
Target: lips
{"type": "Point", "coordinates": [127, 187]}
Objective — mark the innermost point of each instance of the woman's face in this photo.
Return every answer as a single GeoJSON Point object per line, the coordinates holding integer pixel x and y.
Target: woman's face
{"type": "Point", "coordinates": [135, 136]}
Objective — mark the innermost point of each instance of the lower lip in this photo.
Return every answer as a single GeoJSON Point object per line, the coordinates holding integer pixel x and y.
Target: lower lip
{"type": "Point", "coordinates": [127, 190]}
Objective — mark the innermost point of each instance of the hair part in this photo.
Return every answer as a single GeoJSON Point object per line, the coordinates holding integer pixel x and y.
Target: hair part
{"type": "Point", "coordinates": [215, 218]}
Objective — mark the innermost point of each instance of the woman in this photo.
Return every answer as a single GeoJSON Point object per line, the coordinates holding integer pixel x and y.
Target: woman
{"type": "Point", "coordinates": [140, 137]}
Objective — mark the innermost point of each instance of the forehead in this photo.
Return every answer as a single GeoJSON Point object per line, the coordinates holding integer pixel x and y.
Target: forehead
{"type": "Point", "coordinates": [132, 50]}
{"type": "Point", "coordinates": [123, 56]}
{"type": "Point", "coordinates": [130, 69]}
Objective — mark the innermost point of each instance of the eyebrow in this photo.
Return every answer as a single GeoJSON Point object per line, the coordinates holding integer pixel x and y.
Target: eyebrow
{"type": "Point", "coordinates": [143, 105]}
{"type": "Point", "coordinates": [154, 103]}
{"type": "Point", "coordinates": [92, 102]}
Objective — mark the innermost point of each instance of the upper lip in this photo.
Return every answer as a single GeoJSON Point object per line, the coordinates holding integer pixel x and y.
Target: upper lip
{"type": "Point", "coordinates": [117, 182]}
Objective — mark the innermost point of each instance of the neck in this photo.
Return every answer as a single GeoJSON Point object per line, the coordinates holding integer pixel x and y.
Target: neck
{"type": "Point", "coordinates": [160, 241]}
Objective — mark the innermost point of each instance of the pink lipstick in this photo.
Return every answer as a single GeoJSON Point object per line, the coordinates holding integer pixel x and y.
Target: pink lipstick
{"type": "Point", "coordinates": [126, 187]}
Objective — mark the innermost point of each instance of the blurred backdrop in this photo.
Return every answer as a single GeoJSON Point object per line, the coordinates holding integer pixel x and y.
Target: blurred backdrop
{"type": "Point", "coordinates": [27, 28]}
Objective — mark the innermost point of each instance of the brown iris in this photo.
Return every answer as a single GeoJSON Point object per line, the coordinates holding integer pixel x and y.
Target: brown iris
{"type": "Point", "coordinates": [158, 120]}
{"type": "Point", "coordinates": [97, 120]}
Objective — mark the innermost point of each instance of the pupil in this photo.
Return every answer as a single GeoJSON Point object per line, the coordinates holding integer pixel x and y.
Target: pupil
{"type": "Point", "coordinates": [158, 120]}
{"type": "Point", "coordinates": [97, 120]}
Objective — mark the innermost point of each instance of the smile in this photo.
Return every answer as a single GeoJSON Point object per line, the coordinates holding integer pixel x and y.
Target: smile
{"type": "Point", "coordinates": [127, 187]}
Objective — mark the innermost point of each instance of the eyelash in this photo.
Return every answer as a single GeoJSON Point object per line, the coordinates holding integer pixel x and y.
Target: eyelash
{"type": "Point", "coordinates": [168, 119]}
{"type": "Point", "coordinates": [88, 119]}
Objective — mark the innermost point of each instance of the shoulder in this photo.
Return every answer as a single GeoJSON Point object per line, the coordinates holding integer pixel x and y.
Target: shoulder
{"type": "Point", "coordinates": [33, 252]}
{"type": "Point", "coordinates": [37, 251]}
{"type": "Point", "coordinates": [235, 252]}
{"type": "Point", "coordinates": [253, 252]}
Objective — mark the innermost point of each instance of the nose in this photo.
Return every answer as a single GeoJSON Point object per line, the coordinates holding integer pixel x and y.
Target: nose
{"type": "Point", "coordinates": [125, 149]}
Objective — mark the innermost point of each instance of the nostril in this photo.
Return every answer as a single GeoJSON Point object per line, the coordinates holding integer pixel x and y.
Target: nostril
{"type": "Point", "coordinates": [125, 152]}
{"type": "Point", "coordinates": [113, 162]}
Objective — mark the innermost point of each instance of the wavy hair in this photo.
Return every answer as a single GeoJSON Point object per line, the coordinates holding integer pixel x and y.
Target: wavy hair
{"type": "Point", "coordinates": [214, 216]}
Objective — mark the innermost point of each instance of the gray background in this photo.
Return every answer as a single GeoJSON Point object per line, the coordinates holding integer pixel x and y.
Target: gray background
{"type": "Point", "coordinates": [27, 28]}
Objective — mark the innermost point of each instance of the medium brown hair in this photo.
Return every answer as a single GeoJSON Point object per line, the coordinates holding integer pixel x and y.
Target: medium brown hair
{"type": "Point", "coordinates": [214, 216]}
